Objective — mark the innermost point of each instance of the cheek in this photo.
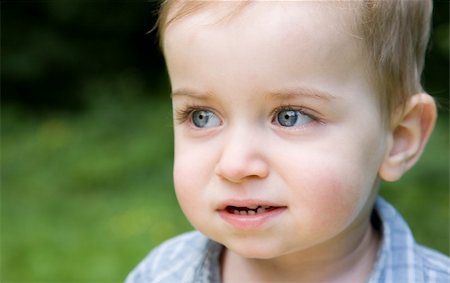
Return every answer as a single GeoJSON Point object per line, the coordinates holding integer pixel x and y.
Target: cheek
{"type": "Point", "coordinates": [191, 175]}
{"type": "Point", "coordinates": [188, 163]}
{"type": "Point", "coordinates": [329, 198]}
{"type": "Point", "coordinates": [330, 190]}
{"type": "Point", "coordinates": [187, 180]}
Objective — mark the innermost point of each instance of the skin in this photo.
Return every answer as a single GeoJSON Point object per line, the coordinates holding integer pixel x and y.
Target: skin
{"type": "Point", "coordinates": [322, 172]}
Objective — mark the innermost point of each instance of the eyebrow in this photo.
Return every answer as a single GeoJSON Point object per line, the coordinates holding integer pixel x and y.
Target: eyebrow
{"type": "Point", "coordinates": [191, 93]}
{"type": "Point", "coordinates": [301, 91]}
{"type": "Point", "coordinates": [282, 93]}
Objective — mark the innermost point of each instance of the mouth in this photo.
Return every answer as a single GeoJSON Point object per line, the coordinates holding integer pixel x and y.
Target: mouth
{"type": "Point", "coordinates": [252, 210]}
{"type": "Point", "coordinates": [250, 215]}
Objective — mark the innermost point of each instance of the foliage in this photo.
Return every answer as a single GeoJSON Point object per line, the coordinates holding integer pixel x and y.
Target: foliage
{"type": "Point", "coordinates": [52, 49]}
{"type": "Point", "coordinates": [85, 197]}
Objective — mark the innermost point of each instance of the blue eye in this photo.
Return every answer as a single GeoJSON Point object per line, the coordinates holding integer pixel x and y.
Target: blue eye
{"type": "Point", "coordinates": [205, 119]}
{"type": "Point", "coordinates": [291, 118]}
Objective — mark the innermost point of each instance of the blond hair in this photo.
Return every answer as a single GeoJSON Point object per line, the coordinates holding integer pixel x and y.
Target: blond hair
{"type": "Point", "coordinates": [395, 35]}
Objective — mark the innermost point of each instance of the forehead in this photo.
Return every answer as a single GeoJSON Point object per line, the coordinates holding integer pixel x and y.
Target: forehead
{"type": "Point", "coordinates": [293, 24]}
{"type": "Point", "coordinates": [292, 33]}
{"type": "Point", "coordinates": [220, 11]}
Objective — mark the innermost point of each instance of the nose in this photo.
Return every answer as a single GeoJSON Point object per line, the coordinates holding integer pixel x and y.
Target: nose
{"type": "Point", "coordinates": [242, 158]}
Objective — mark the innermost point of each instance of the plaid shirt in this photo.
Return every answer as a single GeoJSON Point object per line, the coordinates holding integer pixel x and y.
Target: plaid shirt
{"type": "Point", "coordinates": [192, 257]}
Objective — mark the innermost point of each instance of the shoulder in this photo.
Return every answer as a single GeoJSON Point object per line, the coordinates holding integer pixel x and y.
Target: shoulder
{"type": "Point", "coordinates": [175, 260]}
{"type": "Point", "coordinates": [400, 258]}
{"type": "Point", "coordinates": [436, 266]}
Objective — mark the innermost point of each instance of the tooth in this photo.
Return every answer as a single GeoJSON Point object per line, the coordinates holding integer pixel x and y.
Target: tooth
{"type": "Point", "coordinates": [243, 212]}
{"type": "Point", "coordinates": [261, 210]}
{"type": "Point", "coordinates": [236, 211]}
{"type": "Point", "coordinates": [252, 207]}
{"type": "Point", "coordinates": [265, 206]}
{"type": "Point", "coordinates": [251, 212]}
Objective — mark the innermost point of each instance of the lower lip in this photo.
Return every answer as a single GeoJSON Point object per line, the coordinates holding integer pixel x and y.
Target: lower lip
{"type": "Point", "coordinates": [251, 222]}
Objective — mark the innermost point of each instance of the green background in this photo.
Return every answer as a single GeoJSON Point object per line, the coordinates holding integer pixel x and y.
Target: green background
{"type": "Point", "coordinates": [86, 142]}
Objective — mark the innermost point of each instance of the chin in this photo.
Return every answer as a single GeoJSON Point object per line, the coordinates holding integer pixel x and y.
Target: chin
{"type": "Point", "coordinates": [256, 251]}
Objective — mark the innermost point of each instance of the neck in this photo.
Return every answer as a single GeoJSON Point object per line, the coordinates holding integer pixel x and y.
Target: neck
{"type": "Point", "coordinates": [344, 260]}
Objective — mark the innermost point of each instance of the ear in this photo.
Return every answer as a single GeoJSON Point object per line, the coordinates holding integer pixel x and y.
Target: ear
{"type": "Point", "coordinates": [409, 135]}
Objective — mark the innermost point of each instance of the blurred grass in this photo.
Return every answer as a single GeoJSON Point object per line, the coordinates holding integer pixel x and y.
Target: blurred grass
{"type": "Point", "coordinates": [85, 197]}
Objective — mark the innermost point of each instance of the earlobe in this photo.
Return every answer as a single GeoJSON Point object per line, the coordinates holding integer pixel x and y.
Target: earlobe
{"type": "Point", "coordinates": [409, 135]}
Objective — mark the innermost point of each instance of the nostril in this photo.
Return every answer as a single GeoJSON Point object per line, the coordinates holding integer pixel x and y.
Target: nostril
{"type": "Point", "coordinates": [238, 171]}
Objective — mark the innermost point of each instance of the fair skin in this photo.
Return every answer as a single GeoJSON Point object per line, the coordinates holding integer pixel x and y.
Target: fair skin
{"type": "Point", "coordinates": [272, 157]}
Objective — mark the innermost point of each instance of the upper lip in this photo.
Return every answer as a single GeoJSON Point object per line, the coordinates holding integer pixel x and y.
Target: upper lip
{"type": "Point", "coordinates": [247, 203]}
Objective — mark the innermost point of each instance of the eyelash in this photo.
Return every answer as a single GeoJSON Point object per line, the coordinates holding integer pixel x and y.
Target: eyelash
{"type": "Point", "coordinates": [184, 114]}
{"type": "Point", "coordinates": [295, 108]}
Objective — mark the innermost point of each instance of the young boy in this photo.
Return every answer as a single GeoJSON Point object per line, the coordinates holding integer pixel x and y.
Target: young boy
{"type": "Point", "coordinates": [286, 116]}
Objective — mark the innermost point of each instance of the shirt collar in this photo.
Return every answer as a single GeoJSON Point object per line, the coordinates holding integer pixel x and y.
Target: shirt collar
{"type": "Point", "coordinates": [396, 261]}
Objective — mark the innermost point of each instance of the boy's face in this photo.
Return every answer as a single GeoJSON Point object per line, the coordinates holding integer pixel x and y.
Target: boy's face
{"type": "Point", "coordinates": [274, 112]}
